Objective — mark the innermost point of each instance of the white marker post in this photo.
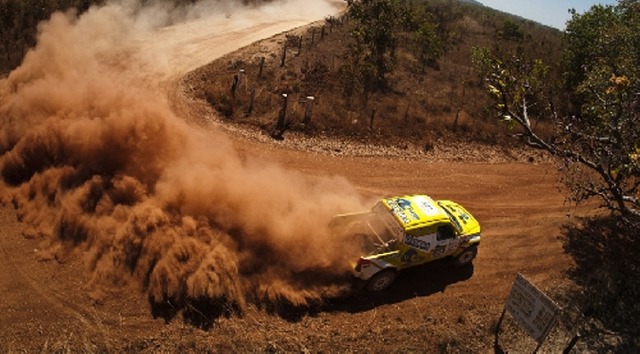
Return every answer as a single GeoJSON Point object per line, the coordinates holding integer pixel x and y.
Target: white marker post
{"type": "Point", "coordinates": [307, 102]}
{"type": "Point", "coordinates": [240, 77]}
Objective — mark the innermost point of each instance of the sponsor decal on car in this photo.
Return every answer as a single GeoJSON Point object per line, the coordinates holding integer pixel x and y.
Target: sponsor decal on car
{"type": "Point", "coordinates": [426, 206]}
{"type": "Point", "coordinates": [402, 208]}
{"type": "Point", "coordinates": [417, 243]}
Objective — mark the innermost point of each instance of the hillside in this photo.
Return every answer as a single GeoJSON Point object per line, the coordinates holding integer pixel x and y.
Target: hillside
{"type": "Point", "coordinates": [424, 103]}
{"type": "Point", "coordinates": [125, 229]}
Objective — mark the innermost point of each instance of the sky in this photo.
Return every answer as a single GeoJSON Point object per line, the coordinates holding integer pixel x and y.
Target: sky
{"type": "Point", "coordinates": [552, 13]}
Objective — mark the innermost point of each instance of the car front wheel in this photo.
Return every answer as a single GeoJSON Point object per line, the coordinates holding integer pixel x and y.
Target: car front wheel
{"type": "Point", "coordinates": [382, 280]}
{"type": "Point", "coordinates": [467, 256]}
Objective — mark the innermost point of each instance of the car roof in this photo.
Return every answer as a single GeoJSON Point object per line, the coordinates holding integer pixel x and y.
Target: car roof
{"type": "Point", "coordinates": [415, 211]}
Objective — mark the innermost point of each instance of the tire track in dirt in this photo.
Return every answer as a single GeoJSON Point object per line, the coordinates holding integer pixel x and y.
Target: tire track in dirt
{"type": "Point", "coordinates": [163, 57]}
{"type": "Point", "coordinates": [34, 285]}
{"type": "Point", "coordinates": [51, 300]}
{"type": "Point", "coordinates": [517, 204]}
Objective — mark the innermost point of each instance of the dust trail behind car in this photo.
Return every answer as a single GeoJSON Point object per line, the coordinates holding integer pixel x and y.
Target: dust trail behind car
{"type": "Point", "coordinates": [98, 166]}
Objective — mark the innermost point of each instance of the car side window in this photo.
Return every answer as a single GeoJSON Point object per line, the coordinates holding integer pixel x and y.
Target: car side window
{"type": "Point", "coordinates": [423, 231]}
{"type": "Point", "coordinates": [445, 232]}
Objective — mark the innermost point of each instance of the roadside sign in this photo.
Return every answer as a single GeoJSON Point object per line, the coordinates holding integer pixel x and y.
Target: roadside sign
{"type": "Point", "coordinates": [534, 311]}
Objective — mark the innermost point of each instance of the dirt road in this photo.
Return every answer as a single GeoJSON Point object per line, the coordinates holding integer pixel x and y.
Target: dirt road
{"type": "Point", "coordinates": [49, 304]}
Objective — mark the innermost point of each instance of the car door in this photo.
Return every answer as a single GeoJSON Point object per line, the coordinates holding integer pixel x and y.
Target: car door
{"type": "Point", "coordinates": [417, 246]}
{"type": "Point", "coordinates": [446, 241]}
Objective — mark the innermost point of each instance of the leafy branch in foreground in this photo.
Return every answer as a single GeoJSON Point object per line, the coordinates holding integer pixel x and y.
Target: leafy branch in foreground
{"type": "Point", "coordinates": [597, 130]}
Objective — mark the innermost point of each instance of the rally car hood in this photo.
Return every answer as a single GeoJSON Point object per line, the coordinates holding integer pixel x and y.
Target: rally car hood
{"type": "Point", "coordinates": [467, 223]}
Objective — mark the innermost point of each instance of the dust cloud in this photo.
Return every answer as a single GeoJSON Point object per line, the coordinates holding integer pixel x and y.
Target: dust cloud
{"type": "Point", "coordinates": [98, 166]}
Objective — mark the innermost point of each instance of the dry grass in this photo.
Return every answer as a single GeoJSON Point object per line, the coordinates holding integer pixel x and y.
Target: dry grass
{"type": "Point", "coordinates": [447, 101]}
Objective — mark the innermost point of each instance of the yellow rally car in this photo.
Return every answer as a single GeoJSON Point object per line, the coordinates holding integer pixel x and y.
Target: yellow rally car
{"type": "Point", "coordinates": [406, 231]}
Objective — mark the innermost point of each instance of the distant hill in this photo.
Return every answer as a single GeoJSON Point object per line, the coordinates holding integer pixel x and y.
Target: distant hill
{"type": "Point", "coordinates": [427, 99]}
{"type": "Point", "coordinates": [423, 104]}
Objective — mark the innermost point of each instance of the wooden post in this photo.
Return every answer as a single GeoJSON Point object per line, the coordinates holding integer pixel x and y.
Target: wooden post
{"type": "Point", "coordinates": [282, 116]}
{"type": "Point", "coordinates": [261, 67]}
{"type": "Point", "coordinates": [308, 110]}
{"type": "Point", "coordinates": [373, 116]}
{"type": "Point", "coordinates": [251, 100]}
{"type": "Point", "coordinates": [284, 55]}
{"type": "Point", "coordinates": [455, 121]}
{"type": "Point", "coordinates": [240, 77]}
{"type": "Point", "coordinates": [496, 343]}
{"type": "Point", "coordinates": [234, 85]}
{"type": "Point", "coordinates": [572, 344]}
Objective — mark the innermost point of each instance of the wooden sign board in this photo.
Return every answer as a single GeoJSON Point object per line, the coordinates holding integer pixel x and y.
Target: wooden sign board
{"type": "Point", "coordinates": [534, 311]}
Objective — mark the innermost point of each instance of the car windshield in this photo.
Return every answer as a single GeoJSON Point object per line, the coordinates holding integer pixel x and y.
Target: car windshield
{"type": "Point", "coordinates": [452, 217]}
{"type": "Point", "coordinates": [384, 231]}
{"type": "Point", "coordinates": [384, 224]}
{"type": "Point", "coordinates": [381, 231]}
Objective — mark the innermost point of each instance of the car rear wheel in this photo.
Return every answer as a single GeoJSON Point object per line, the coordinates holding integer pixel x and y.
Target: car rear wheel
{"type": "Point", "coordinates": [381, 280]}
{"type": "Point", "coordinates": [467, 256]}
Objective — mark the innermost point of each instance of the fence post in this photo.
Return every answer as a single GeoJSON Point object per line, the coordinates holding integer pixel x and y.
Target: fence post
{"type": "Point", "coordinates": [373, 116]}
{"type": "Point", "coordinates": [261, 67]}
{"type": "Point", "coordinates": [234, 85]}
{"type": "Point", "coordinates": [572, 344]}
{"type": "Point", "coordinates": [240, 77]}
{"type": "Point", "coordinates": [496, 340]}
{"type": "Point", "coordinates": [282, 115]}
{"type": "Point", "coordinates": [284, 55]}
{"type": "Point", "coordinates": [251, 100]}
{"type": "Point", "coordinates": [308, 110]}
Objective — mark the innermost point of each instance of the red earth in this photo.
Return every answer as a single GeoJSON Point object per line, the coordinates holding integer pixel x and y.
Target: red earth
{"type": "Point", "coordinates": [49, 306]}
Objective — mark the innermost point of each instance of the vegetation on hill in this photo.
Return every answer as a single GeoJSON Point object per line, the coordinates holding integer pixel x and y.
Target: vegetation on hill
{"type": "Point", "coordinates": [595, 110]}
{"type": "Point", "coordinates": [421, 86]}
{"type": "Point", "coordinates": [597, 139]}
{"type": "Point", "coordinates": [418, 71]}
{"type": "Point", "coordinates": [384, 70]}
{"type": "Point", "coordinates": [19, 21]}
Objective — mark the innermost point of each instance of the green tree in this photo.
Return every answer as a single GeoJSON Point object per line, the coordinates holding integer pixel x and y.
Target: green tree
{"type": "Point", "coordinates": [434, 26]}
{"type": "Point", "coordinates": [597, 137]}
{"type": "Point", "coordinates": [382, 27]}
{"type": "Point", "coordinates": [376, 24]}
{"type": "Point", "coordinates": [429, 47]}
{"type": "Point", "coordinates": [511, 31]}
